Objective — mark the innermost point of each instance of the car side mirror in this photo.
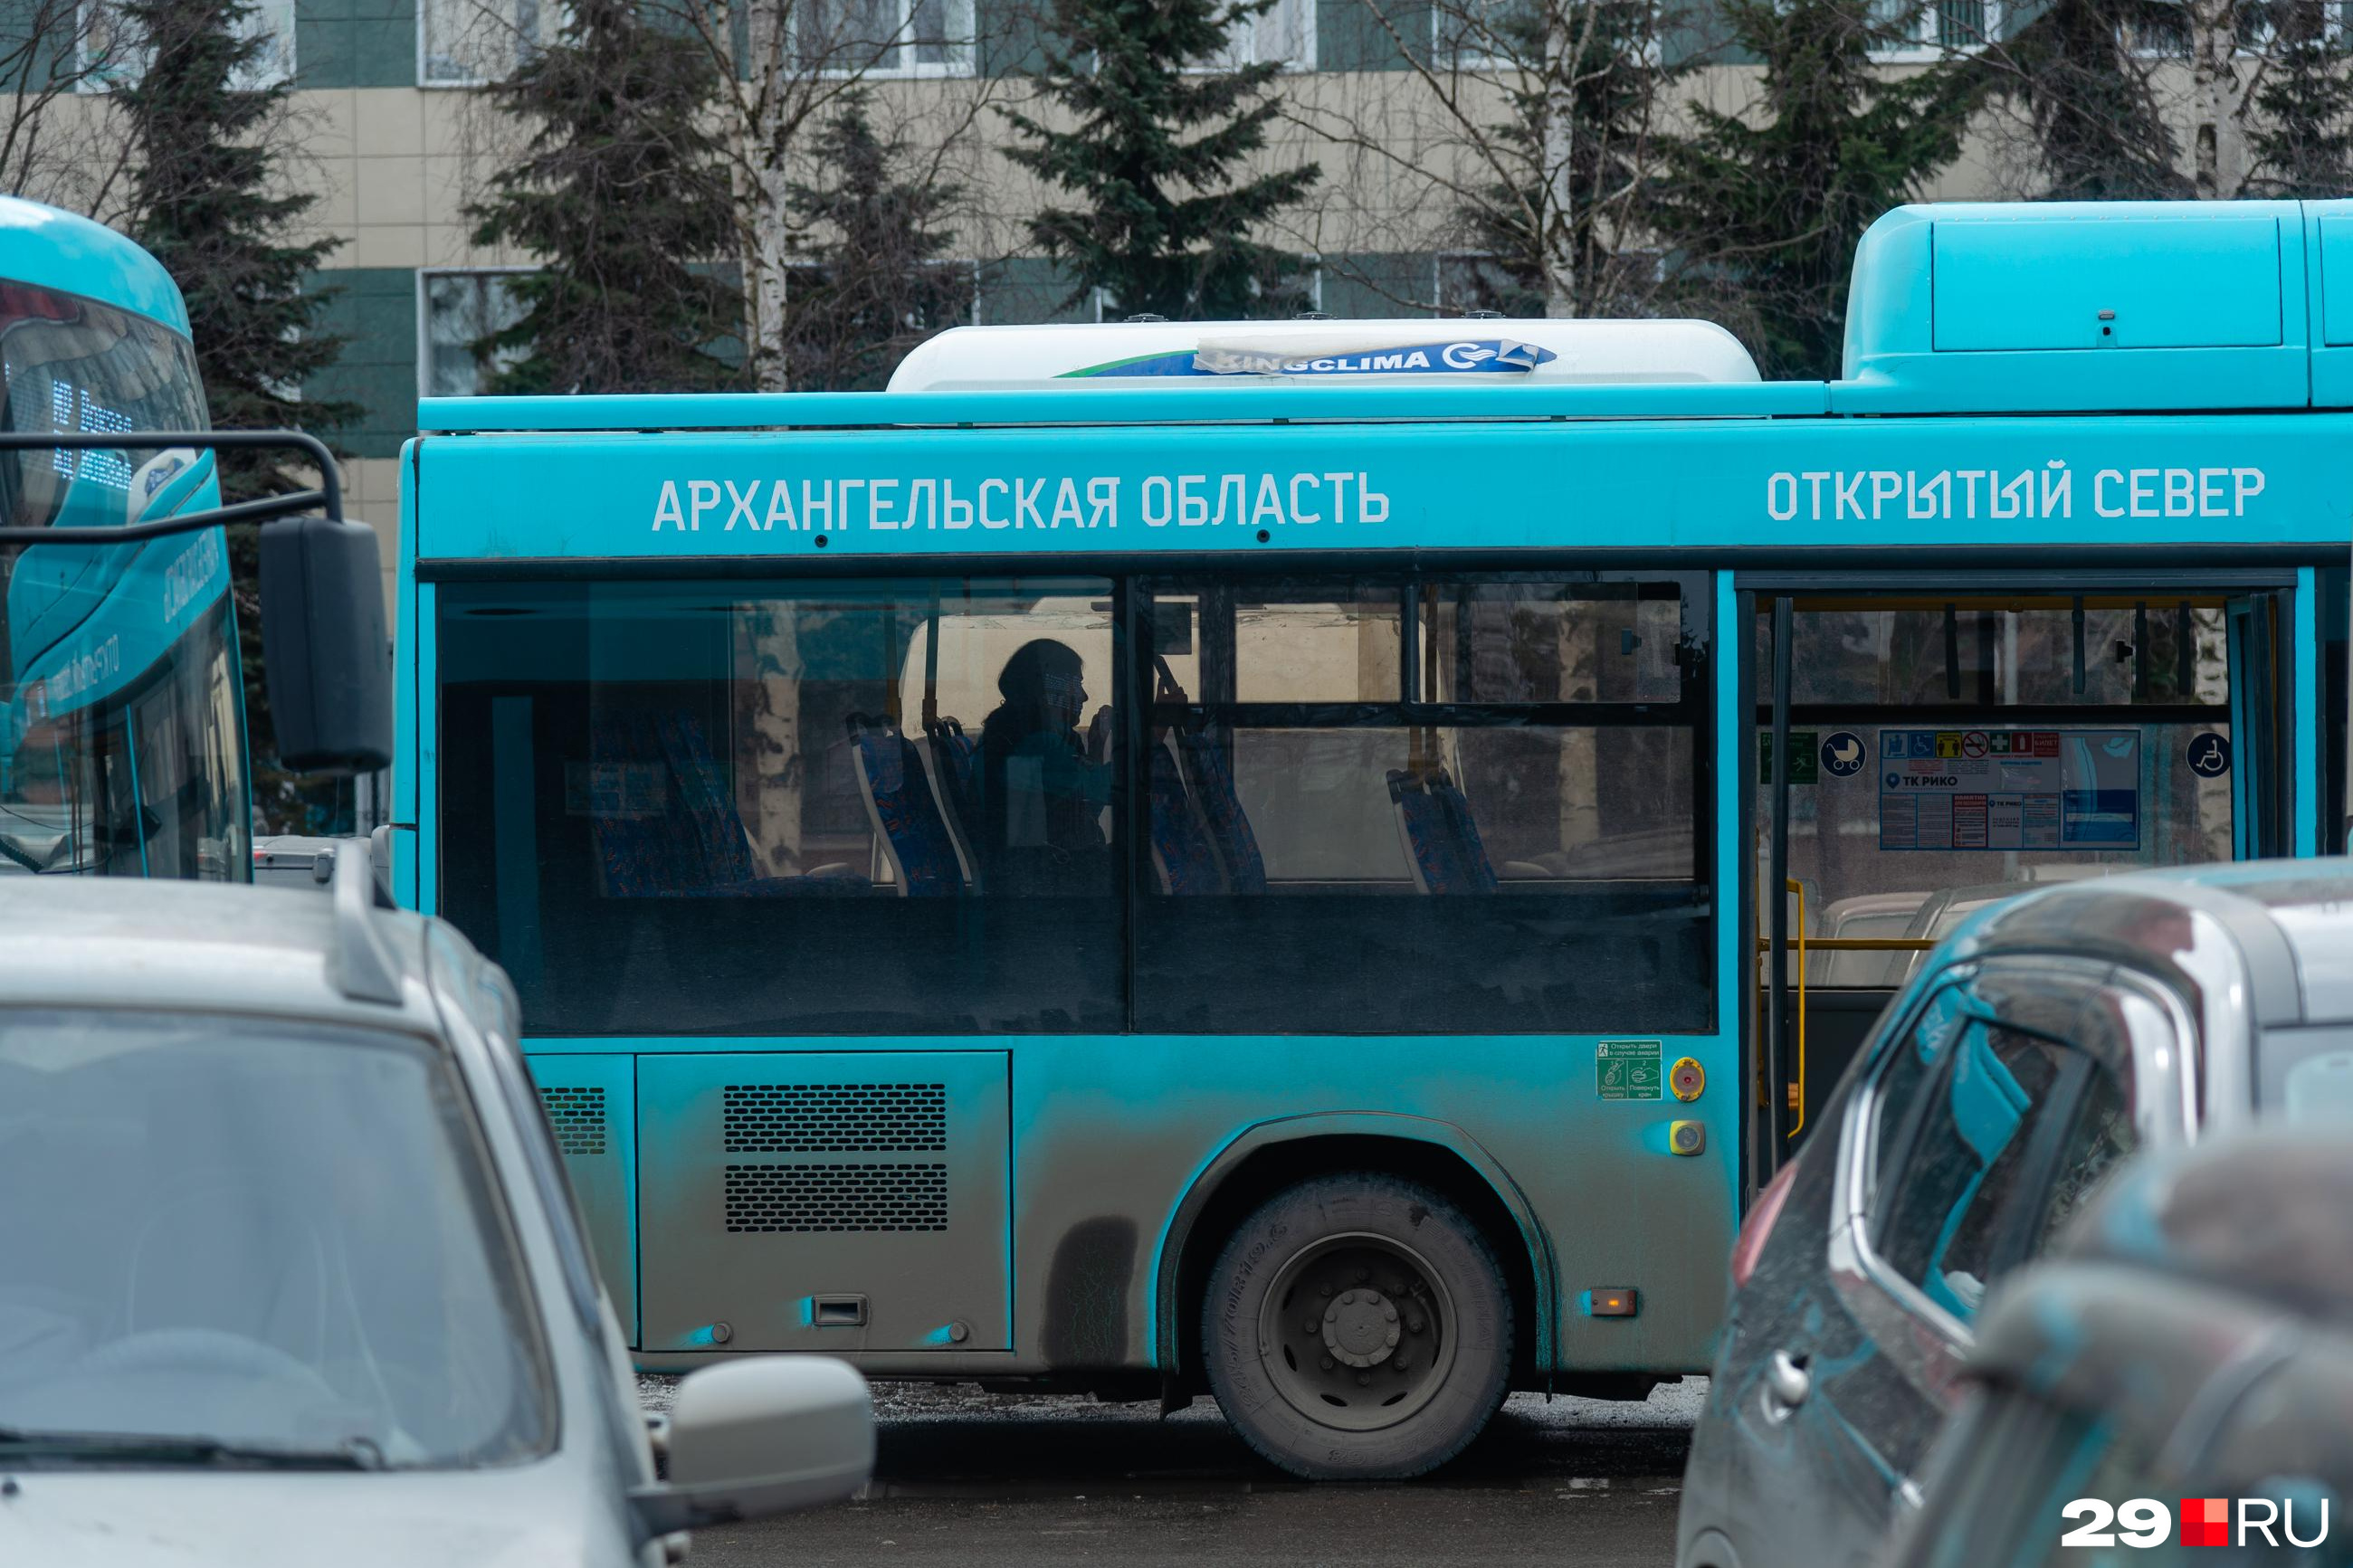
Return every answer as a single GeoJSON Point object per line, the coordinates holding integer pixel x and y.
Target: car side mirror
{"type": "Point", "coordinates": [324, 649]}
{"type": "Point", "coordinates": [763, 1435]}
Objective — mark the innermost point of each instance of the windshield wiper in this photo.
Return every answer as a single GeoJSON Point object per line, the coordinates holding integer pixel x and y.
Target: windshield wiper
{"type": "Point", "coordinates": [169, 1448]}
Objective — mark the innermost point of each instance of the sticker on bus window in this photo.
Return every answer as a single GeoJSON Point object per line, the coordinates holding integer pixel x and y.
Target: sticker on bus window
{"type": "Point", "coordinates": [2008, 789]}
{"type": "Point", "coordinates": [1626, 1069]}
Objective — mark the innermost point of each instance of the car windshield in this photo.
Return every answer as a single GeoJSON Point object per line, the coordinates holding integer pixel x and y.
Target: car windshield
{"type": "Point", "coordinates": [274, 1237]}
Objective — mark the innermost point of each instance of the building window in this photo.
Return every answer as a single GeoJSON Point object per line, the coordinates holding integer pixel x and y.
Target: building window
{"type": "Point", "coordinates": [466, 43]}
{"type": "Point", "coordinates": [1485, 34]}
{"type": "Point", "coordinates": [1283, 35]}
{"type": "Point", "coordinates": [1925, 29]}
{"type": "Point", "coordinates": [113, 51]}
{"type": "Point", "coordinates": [456, 311]}
{"type": "Point", "coordinates": [886, 38]}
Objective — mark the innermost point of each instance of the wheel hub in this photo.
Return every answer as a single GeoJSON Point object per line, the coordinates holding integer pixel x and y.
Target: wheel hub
{"type": "Point", "coordinates": [1356, 1331]}
{"type": "Point", "coordinates": [1360, 1328]}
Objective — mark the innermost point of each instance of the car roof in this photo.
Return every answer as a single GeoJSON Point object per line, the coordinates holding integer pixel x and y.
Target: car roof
{"type": "Point", "coordinates": [2292, 921]}
{"type": "Point", "coordinates": [87, 941]}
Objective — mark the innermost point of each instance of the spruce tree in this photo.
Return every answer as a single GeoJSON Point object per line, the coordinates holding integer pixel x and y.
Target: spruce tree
{"type": "Point", "coordinates": [2099, 132]}
{"type": "Point", "coordinates": [207, 198]}
{"type": "Point", "coordinates": [877, 285]}
{"type": "Point", "coordinates": [2301, 139]}
{"type": "Point", "coordinates": [1153, 156]}
{"type": "Point", "coordinates": [1766, 210]}
{"type": "Point", "coordinates": [622, 195]}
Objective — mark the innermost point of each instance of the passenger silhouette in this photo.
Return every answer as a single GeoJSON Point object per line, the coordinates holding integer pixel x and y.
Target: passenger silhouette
{"type": "Point", "coordinates": [1042, 788]}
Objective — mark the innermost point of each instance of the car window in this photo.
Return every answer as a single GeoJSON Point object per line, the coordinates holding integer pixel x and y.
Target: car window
{"type": "Point", "coordinates": [1896, 1094]}
{"type": "Point", "coordinates": [2013, 1130]}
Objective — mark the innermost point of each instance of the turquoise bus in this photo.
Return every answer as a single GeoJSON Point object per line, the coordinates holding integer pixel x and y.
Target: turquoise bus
{"type": "Point", "coordinates": [123, 739]}
{"type": "Point", "coordinates": [1321, 863]}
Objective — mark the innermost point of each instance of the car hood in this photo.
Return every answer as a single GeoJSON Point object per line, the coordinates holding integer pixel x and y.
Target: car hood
{"type": "Point", "coordinates": [142, 1519]}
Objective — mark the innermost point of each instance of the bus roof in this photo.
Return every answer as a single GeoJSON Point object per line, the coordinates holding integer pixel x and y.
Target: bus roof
{"type": "Point", "coordinates": [1959, 308]}
{"type": "Point", "coordinates": [52, 249]}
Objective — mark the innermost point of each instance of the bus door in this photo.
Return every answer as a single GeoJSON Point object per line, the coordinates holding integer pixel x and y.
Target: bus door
{"type": "Point", "coordinates": [1944, 744]}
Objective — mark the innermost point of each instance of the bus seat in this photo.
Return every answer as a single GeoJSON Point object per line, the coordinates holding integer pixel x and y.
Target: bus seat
{"type": "Point", "coordinates": [955, 776]}
{"type": "Point", "coordinates": [644, 853]}
{"type": "Point", "coordinates": [1182, 856]}
{"type": "Point", "coordinates": [1231, 837]}
{"type": "Point", "coordinates": [905, 818]}
{"type": "Point", "coordinates": [691, 842]}
{"type": "Point", "coordinates": [717, 825]}
{"type": "Point", "coordinates": [1472, 849]}
{"type": "Point", "coordinates": [1442, 858]}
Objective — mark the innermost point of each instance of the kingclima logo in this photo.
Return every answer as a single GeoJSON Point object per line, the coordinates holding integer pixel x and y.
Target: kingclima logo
{"type": "Point", "coordinates": [2202, 1520]}
{"type": "Point", "coordinates": [1238, 357]}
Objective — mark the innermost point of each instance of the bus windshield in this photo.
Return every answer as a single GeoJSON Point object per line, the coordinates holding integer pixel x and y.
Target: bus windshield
{"type": "Point", "coordinates": [122, 725]}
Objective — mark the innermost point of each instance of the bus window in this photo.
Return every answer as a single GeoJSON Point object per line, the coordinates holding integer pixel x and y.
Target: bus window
{"type": "Point", "coordinates": [828, 808]}
{"type": "Point", "coordinates": [1449, 782]}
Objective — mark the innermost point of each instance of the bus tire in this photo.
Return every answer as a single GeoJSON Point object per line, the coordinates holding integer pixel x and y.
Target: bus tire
{"type": "Point", "coordinates": [1358, 1328]}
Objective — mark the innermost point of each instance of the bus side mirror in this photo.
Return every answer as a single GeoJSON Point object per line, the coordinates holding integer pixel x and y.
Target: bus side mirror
{"type": "Point", "coordinates": [322, 645]}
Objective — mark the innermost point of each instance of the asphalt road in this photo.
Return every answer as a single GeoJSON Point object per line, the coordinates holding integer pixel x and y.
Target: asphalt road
{"type": "Point", "coordinates": [967, 1478]}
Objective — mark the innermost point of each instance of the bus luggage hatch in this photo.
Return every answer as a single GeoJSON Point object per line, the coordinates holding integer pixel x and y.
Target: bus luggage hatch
{"type": "Point", "coordinates": [842, 1201]}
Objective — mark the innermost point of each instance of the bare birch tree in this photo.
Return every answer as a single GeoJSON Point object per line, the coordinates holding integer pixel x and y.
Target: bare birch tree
{"type": "Point", "coordinates": [2213, 30]}
{"type": "Point", "coordinates": [1523, 133]}
{"type": "Point", "coordinates": [788, 69]}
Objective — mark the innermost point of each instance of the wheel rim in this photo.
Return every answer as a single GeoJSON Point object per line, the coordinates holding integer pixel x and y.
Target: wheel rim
{"type": "Point", "coordinates": [1358, 1331]}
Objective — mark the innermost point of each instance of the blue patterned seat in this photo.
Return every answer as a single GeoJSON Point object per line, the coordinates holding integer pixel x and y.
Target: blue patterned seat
{"type": "Point", "coordinates": [955, 768]}
{"type": "Point", "coordinates": [1181, 854]}
{"type": "Point", "coordinates": [900, 805]}
{"type": "Point", "coordinates": [1442, 839]}
{"type": "Point", "coordinates": [1212, 780]}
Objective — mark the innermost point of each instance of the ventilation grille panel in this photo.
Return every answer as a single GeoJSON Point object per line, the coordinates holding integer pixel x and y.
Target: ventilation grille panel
{"type": "Point", "coordinates": [578, 1117]}
{"type": "Point", "coordinates": [835, 1118]}
{"type": "Point", "coordinates": [837, 1197]}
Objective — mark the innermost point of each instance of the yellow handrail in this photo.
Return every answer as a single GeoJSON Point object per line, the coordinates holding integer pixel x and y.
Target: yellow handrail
{"type": "Point", "coordinates": [1797, 1091]}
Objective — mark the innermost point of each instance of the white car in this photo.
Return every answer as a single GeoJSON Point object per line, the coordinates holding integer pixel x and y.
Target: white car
{"type": "Point", "coordinates": [290, 1274]}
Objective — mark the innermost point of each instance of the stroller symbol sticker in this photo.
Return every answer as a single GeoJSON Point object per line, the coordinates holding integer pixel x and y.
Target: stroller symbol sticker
{"type": "Point", "coordinates": [1843, 754]}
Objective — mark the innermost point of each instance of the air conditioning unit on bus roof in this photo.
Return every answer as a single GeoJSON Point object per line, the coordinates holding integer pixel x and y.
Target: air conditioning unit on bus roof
{"type": "Point", "coordinates": [1407, 352]}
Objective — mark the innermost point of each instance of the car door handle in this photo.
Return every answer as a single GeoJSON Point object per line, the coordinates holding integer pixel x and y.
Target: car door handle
{"type": "Point", "coordinates": [1786, 1381]}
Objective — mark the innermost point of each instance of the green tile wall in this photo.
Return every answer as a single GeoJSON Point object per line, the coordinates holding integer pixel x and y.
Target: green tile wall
{"type": "Point", "coordinates": [374, 310]}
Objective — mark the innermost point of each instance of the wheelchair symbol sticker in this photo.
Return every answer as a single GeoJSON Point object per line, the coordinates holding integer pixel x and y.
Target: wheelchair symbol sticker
{"type": "Point", "coordinates": [1843, 754]}
{"type": "Point", "coordinates": [2209, 755]}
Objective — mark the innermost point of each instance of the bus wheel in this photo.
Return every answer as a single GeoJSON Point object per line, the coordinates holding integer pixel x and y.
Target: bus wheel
{"type": "Point", "coordinates": [1358, 1328]}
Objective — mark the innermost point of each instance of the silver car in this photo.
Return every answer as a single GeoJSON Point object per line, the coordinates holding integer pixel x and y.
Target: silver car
{"type": "Point", "coordinates": [288, 1272]}
{"type": "Point", "coordinates": [2047, 1041]}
